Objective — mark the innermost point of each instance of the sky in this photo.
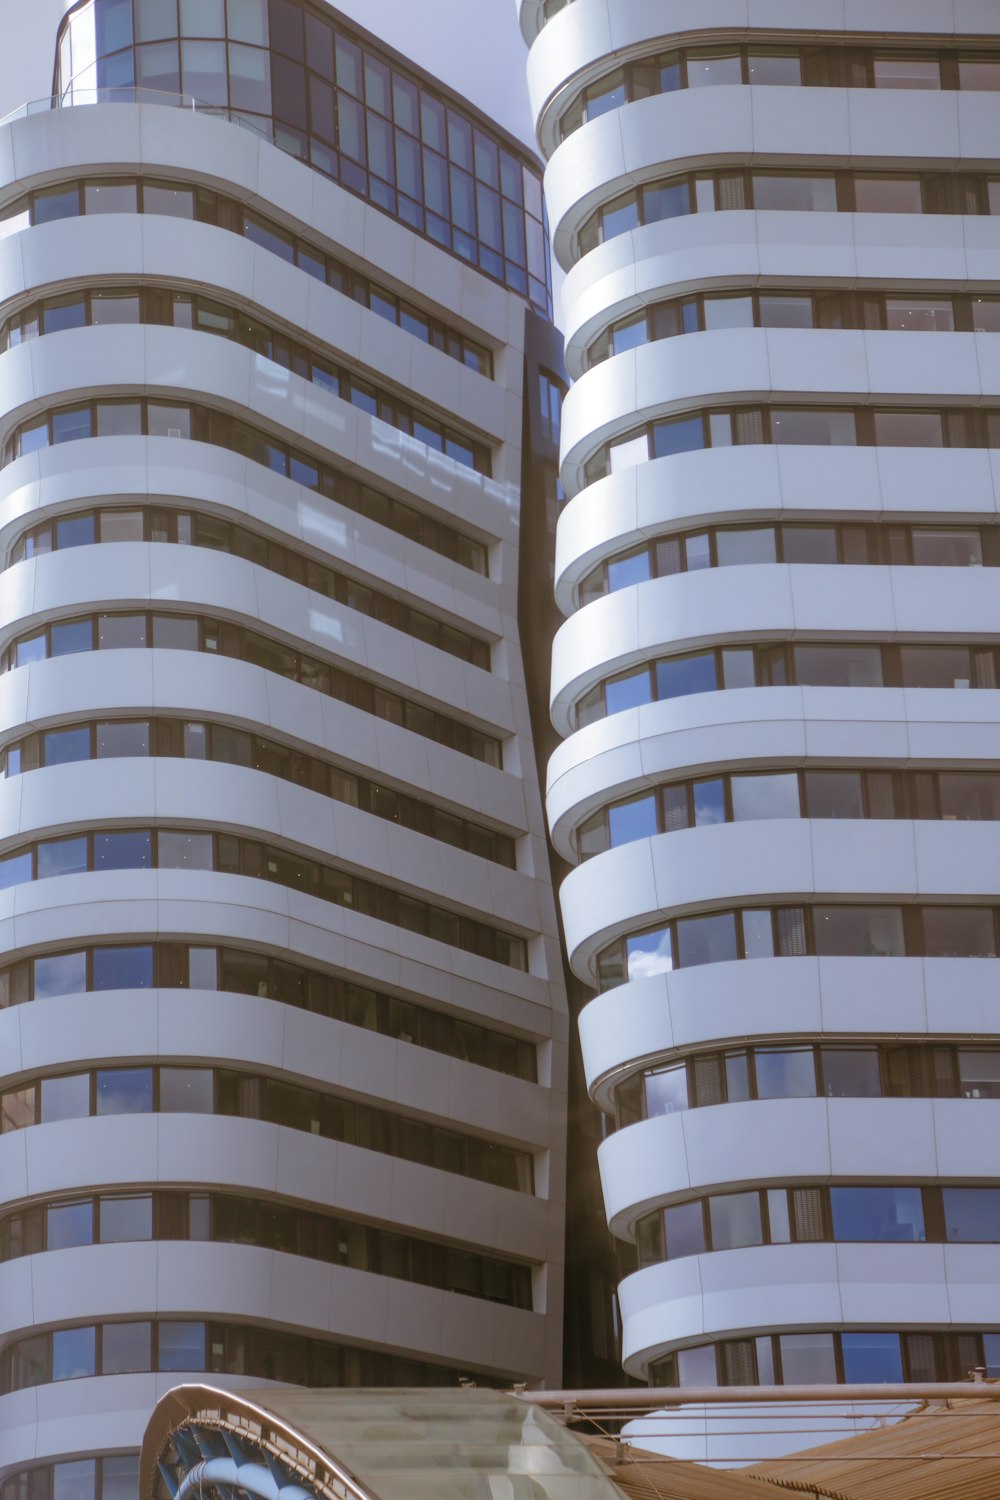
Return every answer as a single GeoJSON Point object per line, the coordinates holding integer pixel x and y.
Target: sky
{"type": "Point", "coordinates": [474, 46]}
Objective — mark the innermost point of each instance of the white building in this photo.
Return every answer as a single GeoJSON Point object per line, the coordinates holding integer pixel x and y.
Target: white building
{"type": "Point", "coordinates": [780, 781]}
{"type": "Point", "coordinates": [282, 1026]}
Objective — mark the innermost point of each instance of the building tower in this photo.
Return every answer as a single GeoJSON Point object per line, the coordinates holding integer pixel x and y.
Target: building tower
{"type": "Point", "coordinates": [282, 1029]}
{"type": "Point", "coordinates": [777, 677]}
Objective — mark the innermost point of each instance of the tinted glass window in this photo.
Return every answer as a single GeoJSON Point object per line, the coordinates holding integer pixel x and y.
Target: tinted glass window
{"type": "Point", "coordinates": [706, 940]}
{"type": "Point", "coordinates": [69, 1224]}
{"type": "Point", "coordinates": [809, 544]}
{"type": "Point", "coordinates": [123, 968]}
{"type": "Point", "coordinates": [851, 1073]}
{"type": "Point", "coordinates": [628, 692]}
{"type": "Point", "coordinates": [765, 796]}
{"type": "Point", "coordinates": [124, 1091]}
{"type": "Point", "coordinates": [936, 666]}
{"type": "Point", "coordinates": [875, 932]}
{"type": "Point", "coordinates": [785, 1073]}
{"type": "Point", "coordinates": [822, 429]}
{"type": "Point", "coordinates": [947, 549]}
{"type": "Point", "coordinates": [834, 794]}
{"type": "Point", "coordinates": [123, 851]}
{"type": "Point", "coordinates": [838, 666]}
{"type": "Point", "coordinates": [797, 193]}
{"type": "Point", "coordinates": [63, 746]}
{"type": "Point", "coordinates": [666, 1091]}
{"type": "Point", "coordinates": [751, 546]}
{"type": "Point", "coordinates": [684, 1226]}
{"type": "Point", "coordinates": [735, 1220]}
{"type": "Point", "coordinates": [959, 932]}
{"type": "Point", "coordinates": [893, 1214]}
{"type": "Point", "coordinates": [632, 820]}
{"type": "Point", "coordinates": [888, 195]}
{"type": "Point", "coordinates": [682, 675]}
{"type": "Point", "coordinates": [73, 1353]}
{"type": "Point", "coordinates": [62, 857]}
{"type": "Point", "coordinates": [871, 1358]}
{"type": "Point", "coordinates": [649, 954]}
{"type": "Point", "coordinates": [126, 1219]}
{"type": "Point", "coordinates": [66, 1098]}
{"type": "Point", "coordinates": [969, 797]}
{"type": "Point", "coordinates": [60, 974]}
{"type": "Point", "coordinates": [972, 1215]}
{"type": "Point", "coordinates": [125, 1347]}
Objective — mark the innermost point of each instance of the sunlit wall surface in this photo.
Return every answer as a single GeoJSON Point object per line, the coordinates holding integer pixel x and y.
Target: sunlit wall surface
{"type": "Point", "coordinates": [282, 1028]}
{"type": "Point", "coordinates": [777, 681]}
{"type": "Point", "coordinates": [331, 96]}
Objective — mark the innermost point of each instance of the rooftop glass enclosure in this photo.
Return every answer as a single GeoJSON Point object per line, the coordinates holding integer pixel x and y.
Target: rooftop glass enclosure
{"type": "Point", "coordinates": [333, 97]}
{"type": "Point", "coordinates": [364, 1445]}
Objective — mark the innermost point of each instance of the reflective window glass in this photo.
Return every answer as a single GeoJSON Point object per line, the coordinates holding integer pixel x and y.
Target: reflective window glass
{"type": "Point", "coordinates": [62, 747]}
{"type": "Point", "coordinates": [851, 1073]}
{"type": "Point", "coordinates": [967, 796]}
{"type": "Point", "coordinates": [628, 692]}
{"type": "Point", "coordinates": [697, 1367]}
{"type": "Point", "coordinates": [55, 203]}
{"type": "Point", "coordinates": [73, 1480]}
{"type": "Point", "coordinates": [808, 1359]}
{"type": "Point", "coordinates": [62, 857]}
{"type": "Point", "coordinates": [756, 545]}
{"type": "Point", "coordinates": [68, 1225]}
{"type": "Point", "coordinates": [728, 312]}
{"type": "Point", "coordinates": [698, 552]}
{"type": "Point", "coordinates": [907, 73]}
{"type": "Point", "coordinates": [181, 1346]}
{"type": "Point", "coordinates": [778, 70]}
{"type": "Point", "coordinates": [122, 739]}
{"type": "Point", "coordinates": [871, 1358]}
{"type": "Point", "coordinates": [73, 1353]}
{"type": "Point", "coordinates": [627, 454]}
{"type": "Point", "coordinates": [972, 1215]}
{"type": "Point", "coordinates": [758, 934]}
{"type": "Point", "coordinates": [666, 1091]}
{"type": "Point", "coordinates": [185, 851]}
{"type": "Point", "coordinates": [838, 666]}
{"type": "Point", "coordinates": [633, 568]}
{"type": "Point", "coordinates": [679, 435]}
{"type": "Point", "coordinates": [978, 75]}
{"type": "Point", "coordinates": [186, 1091]}
{"type": "Point", "coordinates": [650, 953]}
{"type": "Point", "coordinates": [65, 1098]}
{"type": "Point", "coordinates": [62, 313]}
{"type": "Point", "coordinates": [935, 666]}
{"type": "Point", "coordinates": [632, 820]}
{"type": "Point", "coordinates": [121, 632]}
{"type": "Point", "coordinates": [124, 1091]}
{"type": "Point", "coordinates": [173, 202]}
{"type": "Point", "coordinates": [810, 194]}
{"type": "Point", "coordinates": [706, 940]}
{"type": "Point", "coordinates": [684, 1229]}
{"type": "Point", "coordinates": [123, 851]}
{"type": "Point", "coordinates": [736, 1221]}
{"type": "Point", "coordinates": [867, 932]}
{"type": "Point", "coordinates": [114, 307]}
{"type": "Point", "coordinates": [709, 803]}
{"type": "Point", "coordinates": [111, 197]}
{"type": "Point", "coordinates": [680, 676]}
{"type": "Point", "coordinates": [785, 312]}
{"type": "Point", "coordinates": [888, 1214]}
{"type": "Point", "coordinates": [979, 1074]}
{"type": "Point", "coordinates": [71, 636]}
{"type": "Point", "coordinates": [785, 1072]}
{"type": "Point", "coordinates": [773, 796]}
{"type": "Point", "coordinates": [834, 794]}
{"type": "Point", "coordinates": [120, 1473]}
{"type": "Point", "coordinates": [706, 70]}
{"type": "Point", "coordinates": [813, 427]}
{"type": "Point", "coordinates": [629, 335]}
{"type": "Point", "coordinates": [920, 315]}
{"type": "Point", "coordinates": [60, 974]}
{"type": "Point", "coordinates": [126, 1218]}
{"type": "Point", "coordinates": [986, 311]}
{"type": "Point", "coordinates": [888, 195]}
{"type": "Point", "coordinates": [126, 1347]}
{"type": "Point", "coordinates": [123, 968]}
{"type": "Point", "coordinates": [909, 429]}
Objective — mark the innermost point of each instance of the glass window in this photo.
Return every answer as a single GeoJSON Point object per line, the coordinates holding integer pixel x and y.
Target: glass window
{"type": "Point", "coordinates": [838, 666]}
{"type": "Point", "coordinates": [65, 312]}
{"type": "Point", "coordinates": [204, 71]}
{"type": "Point", "coordinates": [709, 799]}
{"type": "Point", "coordinates": [73, 1353]}
{"type": "Point", "coordinates": [62, 857]}
{"type": "Point", "coordinates": [728, 312]}
{"type": "Point", "coordinates": [785, 312]}
{"type": "Point", "coordinates": [175, 633]}
{"type": "Point", "coordinates": [62, 747]}
{"type": "Point", "coordinates": [122, 526]}
{"type": "Point", "coordinates": [124, 1091]}
{"type": "Point", "coordinates": [872, 1358]}
{"type": "Point", "coordinates": [629, 335]}
{"type": "Point", "coordinates": [112, 308]}
{"type": "Point", "coordinates": [887, 1214]}
{"type": "Point", "coordinates": [172, 202]}
{"type": "Point", "coordinates": [632, 820]}
{"type": "Point", "coordinates": [888, 195]}
{"type": "Point", "coordinates": [909, 429]}
{"type": "Point", "coordinates": [250, 79]}
{"type": "Point", "coordinates": [736, 1221]}
{"type": "Point", "coordinates": [66, 1098]}
{"type": "Point", "coordinates": [186, 1090]}
{"type": "Point", "coordinates": [650, 953]}
{"type": "Point", "coordinates": [986, 311]}
{"type": "Point", "coordinates": [55, 203]}
{"type": "Point", "coordinates": [124, 1219]}
{"type": "Point", "coordinates": [738, 669]}
{"type": "Point", "coordinates": [697, 1367]}
{"type": "Point", "coordinates": [869, 932]}
{"type": "Point", "coordinates": [125, 1347]}
{"type": "Point", "coordinates": [698, 552]}
{"type": "Point", "coordinates": [120, 1477]}
{"type": "Point", "coordinates": [60, 974]}
{"type": "Point", "coordinates": [935, 666]}
{"type": "Point", "coordinates": [907, 73]}
{"type": "Point", "coordinates": [123, 851]}
{"type": "Point", "coordinates": [979, 75]}
{"type": "Point", "coordinates": [777, 69]}
{"type": "Point", "coordinates": [774, 796]}
{"type": "Point", "coordinates": [666, 1091]}
{"type": "Point", "coordinates": [920, 315]}
{"type": "Point", "coordinates": [115, 740]}
{"type": "Point", "coordinates": [810, 194]}
{"type": "Point", "coordinates": [938, 548]}
{"type": "Point", "coordinates": [705, 70]}
{"type": "Point", "coordinates": [71, 424]}
{"type": "Point", "coordinates": [633, 568]}
{"type": "Point", "coordinates": [185, 851]}
{"type": "Point", "coordinates": [972, 1215]}
{"type": "Point", "coordinates": [966, 796]}
{"type": "Point", "coordinates": [123, 968]}
{"type": "Point", "coordinates": [959, 932]}
{"type": "Point", "coordinates": [684, 1228]}
{"type": "Point", "coordinates": [785, 1072]}
{"type": "Point", "coordinates": [247, 21]}
{"type": "Point", "coordinates": [120, 632]}
{"type": "Point", "coordinates": [71, 636]}
{"type": "Point", "coordinates": [834, 794]}
{"type": "Point", "coordinates": [754, 545]}
{"type": "Point", "coordinates": [979, 1073]}
{"type": "Point", "coordinates": [627, 454]}
{"type": "Point", "coordinates": [73, 1480]}
{"type": "Point", "coordinates": [779, 1223]}
{"type": "Point", "coordinates": [680, 676]}
{"type": "Point", "coordinates": [679, 435]}
{"type": "Point", "coordinates": [69, 1224]}
{"type": "Point", "coordinates": [706, 940]}
{"type": "Point", "coordinates": [758, 934]}
{"type": "Point", "coordinates": [111, 197]}
{"type": "Point", "coordinates": [119, 418]}
{"type": "Point", "coordinates": [851, 1073]}
{"type": "Point", "coordinates": [628, 692]}
{"type": "Point", "coordinates": [808, 1359]}
{"type": "Point", "coordinates": [817, 428]}
{"type": "Point", "coordinates": [181, 1346]}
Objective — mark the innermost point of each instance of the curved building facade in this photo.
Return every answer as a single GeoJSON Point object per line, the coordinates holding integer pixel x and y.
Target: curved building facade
{"type": "Point", "coordinates": [777, 679]}
{"type": "Point", "coordinates": [282, 1026]}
